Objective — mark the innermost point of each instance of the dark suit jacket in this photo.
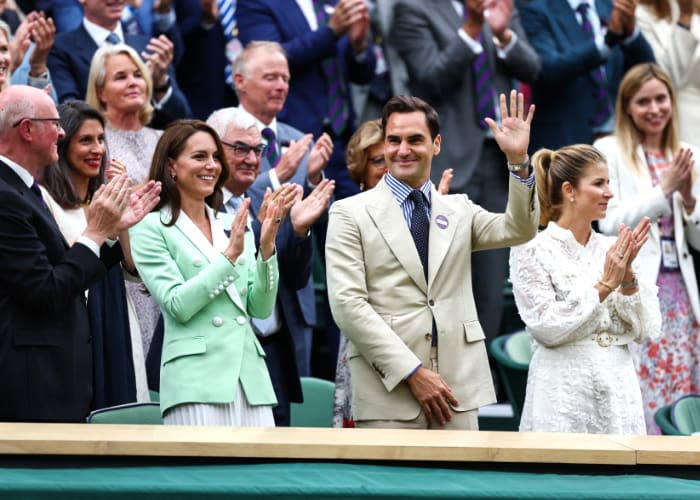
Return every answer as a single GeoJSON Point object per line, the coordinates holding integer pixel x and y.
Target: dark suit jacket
{"type": "Point", "coordinates": [307, 103]}
{"type": "Point", "coordinates": [283, 21]}
{"type": "Point", "coordinates": [565, 91]}
{"type": "Point", "coordinates": [45, 344]}
{"type": "Point", "coordinates": [294, 260]}
{"type": "Point", "coordinates": [69, 63]}
{"type": "Point", "coordinates": [439, 65]}
{"type": "Point", "coordinates": [201, 71]}
{"type": "Point", "coordinates": [296, 294]}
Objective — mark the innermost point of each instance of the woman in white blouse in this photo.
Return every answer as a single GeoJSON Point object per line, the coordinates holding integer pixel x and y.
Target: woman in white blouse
{"type": "Point", "coordinates": [581, 302]}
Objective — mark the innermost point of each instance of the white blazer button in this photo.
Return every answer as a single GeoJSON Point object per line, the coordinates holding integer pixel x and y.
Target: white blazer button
{"type": "Point", "coordinates": [225, 283]}
{"type": "Point", "coordinates": [197, 262]}
{"type": "Point", "coordinates": [221, 288]}
{"type": "Point", "coordinates": [240, 260]}
{"type": "Point", "coordinates": [217, 321]}
{"type": "Point", "coordinates": [241, 320]}
{"type": "Point", "coordinates": [244, 291]}
{"type": "Point", "coordinates": [211, 295]}
{"type": "Point", "coordinates": [231, 278]}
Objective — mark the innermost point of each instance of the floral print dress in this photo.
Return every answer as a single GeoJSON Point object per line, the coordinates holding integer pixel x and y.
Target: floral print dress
{"type": "Point", "coordinates": [668, 367]}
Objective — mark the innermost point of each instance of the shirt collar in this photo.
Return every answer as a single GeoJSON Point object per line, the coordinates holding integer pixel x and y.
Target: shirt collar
{"type": "Point", "coordinates": [400, 190]}
{"type": "Point", "coordinates": [22, 172]}
{"type": "Point", "coordinates": [272, 125]}
{"type": "Point", "coordinates": [99, 34]}
{"type": "Point", "coordinates": [574, 4]}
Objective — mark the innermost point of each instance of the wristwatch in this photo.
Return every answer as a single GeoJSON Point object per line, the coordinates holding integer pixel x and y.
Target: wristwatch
{"type": "Point", "coordinates": [517, 167]}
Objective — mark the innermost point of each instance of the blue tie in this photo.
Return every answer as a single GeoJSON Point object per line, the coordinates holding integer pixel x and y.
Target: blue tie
{"type": "Point", "coordinates": [35, 189]}
{"type": "Point", "coordinates": [227, 17]}
{"type": "Point", "coordinates": [113, 38]}
{"type": "Point", "coordinates": [603, 106]}
{"type": "Point", "coordinates": [419, 228]}
{"type": "Point", "coordinates": [338, 113]}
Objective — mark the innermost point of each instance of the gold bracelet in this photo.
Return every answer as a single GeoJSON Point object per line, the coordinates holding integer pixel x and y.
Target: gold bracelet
{"type": "Point", "coordinates": [606, 286]}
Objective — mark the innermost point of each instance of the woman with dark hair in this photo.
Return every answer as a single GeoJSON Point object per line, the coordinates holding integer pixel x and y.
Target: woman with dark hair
{"type": "Point", "coordinates": [653, 174]}
{"type": "Point", "coordinates": [207, 285]}
{"type": "Point", "coordinates": [119, 371]}
{"type": "Point", "coordinates": [577, 294]}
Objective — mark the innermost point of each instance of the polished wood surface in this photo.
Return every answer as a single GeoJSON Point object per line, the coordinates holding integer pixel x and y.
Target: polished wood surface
{"type": "Point", "coordinates": [345, 444]}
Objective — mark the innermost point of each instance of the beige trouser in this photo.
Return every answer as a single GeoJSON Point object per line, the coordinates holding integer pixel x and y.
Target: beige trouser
{"type": "Point", "coordinates": [461, 420]}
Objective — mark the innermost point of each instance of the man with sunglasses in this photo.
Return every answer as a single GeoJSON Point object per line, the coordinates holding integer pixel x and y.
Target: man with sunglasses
{"type": "Point", "coordinates": [244, 149]}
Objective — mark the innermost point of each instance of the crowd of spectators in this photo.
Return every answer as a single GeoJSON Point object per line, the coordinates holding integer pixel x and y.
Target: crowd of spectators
{"type": "Point", "coordinates": [283, 86]}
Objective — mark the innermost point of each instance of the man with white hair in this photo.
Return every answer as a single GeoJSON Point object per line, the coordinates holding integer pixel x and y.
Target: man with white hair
{"type": "Point", "coordinates": [244, 148]}
{"type": "Point", "coordinates": [261, 78]}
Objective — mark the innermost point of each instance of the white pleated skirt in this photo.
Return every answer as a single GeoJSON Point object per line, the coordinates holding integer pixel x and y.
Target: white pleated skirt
{"type": "Point", "coordinates": [238, 413]}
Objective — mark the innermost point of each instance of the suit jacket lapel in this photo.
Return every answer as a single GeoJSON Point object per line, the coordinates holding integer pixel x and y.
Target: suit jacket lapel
{"type": "Point", "coordinates": [197, 238]}
{"type": "Point", "coordinates": [390, 222]}
{"type": "Point", "coordinates": [11, 178]}
{"type": "Point", "coordinates": [447, 12]}
{"type": "Point", "coordinates": [442, 231]}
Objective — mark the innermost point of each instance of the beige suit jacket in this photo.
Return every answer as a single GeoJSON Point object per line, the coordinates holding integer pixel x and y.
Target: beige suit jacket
{"type": "Point", "coordinates": [381, 301]}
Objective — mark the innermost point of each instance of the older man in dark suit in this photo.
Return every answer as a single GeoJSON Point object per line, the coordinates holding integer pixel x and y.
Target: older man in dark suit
{"type": "Point", "coordinates": [45, 351]}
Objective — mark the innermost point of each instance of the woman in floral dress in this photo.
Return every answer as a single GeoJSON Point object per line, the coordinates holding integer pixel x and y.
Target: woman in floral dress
{"type": "Point", "coordinates": [653, 174]}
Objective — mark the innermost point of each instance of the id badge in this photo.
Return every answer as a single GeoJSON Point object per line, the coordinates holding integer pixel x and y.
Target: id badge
{"type": "Point", "coordinates": [669, 254]}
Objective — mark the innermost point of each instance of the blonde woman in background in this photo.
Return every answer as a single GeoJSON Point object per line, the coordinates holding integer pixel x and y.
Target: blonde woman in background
{"type": "Point", "coordinates": [120, 87]}
{"type": "Point", "coordinates": [652, 174]}
{"type": "Point", "coordinates": [582, 303]}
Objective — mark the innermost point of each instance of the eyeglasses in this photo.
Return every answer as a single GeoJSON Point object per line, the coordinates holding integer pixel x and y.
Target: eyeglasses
{"type": "Point", "coordinates": [56, 121]}
{"type": "Point", "coordinates": [242, 150]}
{"type": "Point", "coordinates": [377, 162]}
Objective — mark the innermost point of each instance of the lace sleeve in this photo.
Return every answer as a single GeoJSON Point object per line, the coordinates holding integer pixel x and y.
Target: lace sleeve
{"type": "Point", "coordinates": [553, 295]}
{"type": "Point", "coordinates": [640, 311]}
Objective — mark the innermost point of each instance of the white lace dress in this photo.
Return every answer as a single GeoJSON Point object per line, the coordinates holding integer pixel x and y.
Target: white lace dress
{"type": "Point", "coordinates": [576, 383]}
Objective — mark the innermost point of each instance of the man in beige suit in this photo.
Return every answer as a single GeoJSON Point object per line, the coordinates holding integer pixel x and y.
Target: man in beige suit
{"type": "Point", "coordinates": [417, 355]}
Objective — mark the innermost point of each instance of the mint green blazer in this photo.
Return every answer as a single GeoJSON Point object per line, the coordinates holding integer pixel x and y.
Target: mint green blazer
{"type": "Point", "coordinates": [209, 345]}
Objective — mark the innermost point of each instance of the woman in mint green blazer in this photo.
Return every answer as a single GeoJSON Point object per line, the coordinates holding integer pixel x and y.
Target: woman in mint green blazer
{"type": "Point", "coordinates": [207, 285]}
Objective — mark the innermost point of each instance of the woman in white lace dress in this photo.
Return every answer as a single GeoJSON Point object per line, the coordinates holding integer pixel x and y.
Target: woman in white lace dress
{"type": "Point", "coordinates": [581, 303]}
{"type": "Point", "coordinates": [120, 86]}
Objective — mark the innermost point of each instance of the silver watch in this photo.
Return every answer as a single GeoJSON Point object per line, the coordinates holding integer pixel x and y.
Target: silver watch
{"type": "Point", "coordinates": [517, 167]}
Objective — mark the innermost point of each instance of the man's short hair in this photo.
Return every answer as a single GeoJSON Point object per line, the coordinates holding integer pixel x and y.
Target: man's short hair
{"type": "Point", "coordinates": [223, 119]}
{"type": "Point", "coordinates": [15, 109]}
{"type": "Point", "coordinates": [240, 64]}
{"type": "Point", "coordinates": [409, 104]}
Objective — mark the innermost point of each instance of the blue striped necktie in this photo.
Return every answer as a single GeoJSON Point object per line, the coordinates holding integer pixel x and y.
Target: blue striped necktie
{"type": "Point", "coordinates": [603, 107]}
{"type": "Point", "coordinates": [338, 112]}
{"type": "Point", "coordinates": [484, 91]}
{"type": "Point", "coordinates": [227, 17]}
